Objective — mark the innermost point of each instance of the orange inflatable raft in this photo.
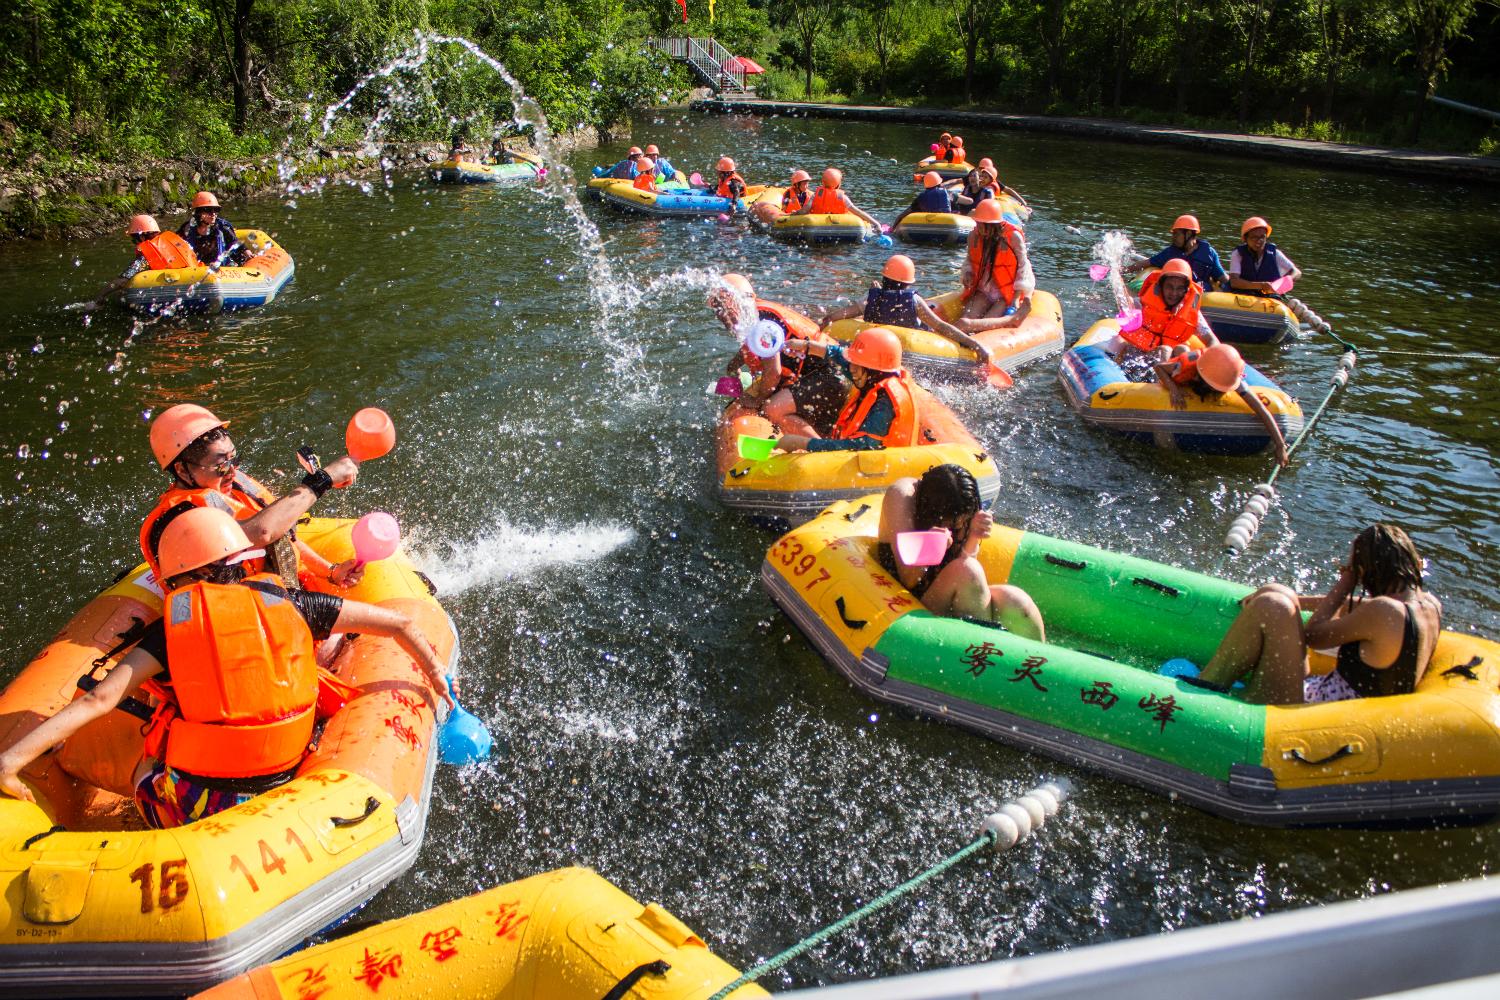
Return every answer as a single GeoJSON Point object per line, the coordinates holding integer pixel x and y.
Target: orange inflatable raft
{"type": "Point", "coordinates": [95, 904]}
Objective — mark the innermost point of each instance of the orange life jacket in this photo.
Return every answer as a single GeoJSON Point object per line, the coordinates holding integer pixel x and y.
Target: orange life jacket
{"type": "Point", "coordinates": [1184, 368]}
{"type": "Point", "coordinates": [244, 680]}
{"type": "Point", "coordinates": [1160, 325]}
{"type": "Point", "coordinates": [167, 251]}
{"type": "Point", "coordinates": [903, 429]}
{"type": "Point", "coordinates": [829, 201]}
{"type": "Point", "coordinates": [244, 500]}
{"type": "Point", "coordinates": [795, 201]}
{"type": "Point", "coordinates": [798, 326]}
{"type": "Point", "coordinates": [723, 189]}
{"type": "Point", "coordinates": [646, 181]}
{"type": "Point", "coordinates": [1002, 269]}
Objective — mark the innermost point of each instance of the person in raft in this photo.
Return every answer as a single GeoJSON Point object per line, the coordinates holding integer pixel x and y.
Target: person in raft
{"type": "Point", "coordinates": [194, 448]}
{"type": "Point", "coordinates": [798, 393]}
{"type": "Point", "coordinates": [894, 302]}
{"type": "Point", "coordinates": [626, 169]}
{"type": "Point", "coordinates": [1187, 245]}
{"type": "Point", "coordinates": [462, 152]}
{"type": "Point", "coordinates": [881, 412]}
{"type": "Point", "coordinates": [933, 197]}
{"type": "Point", "coordinates": [1385, 634]}
{"type": "Point", "coordinates": [797, 197]}
{"type": "Point", "coordinates": [981, 184]}
{"type": "Point", "coordinates": [645, 174]}
{"type": "Point", "coordinates": [212, 236]}
{"type": "Point", "coordinates": [947, 498]}
{"type": "Point", "coordinates": [154, 251]}
{"type": "Point", "coordinates": [239, 716]}
{"type": "Point", "coordinates": [941, 150]}
{"type": "Point", "coordinates": [830, 199]}
{"type": "Point", "coordinates": [1257, 262]}
{"type": "Point", "coordinates": [1170, 316]}
{"type": "Point", "coordinates": [731, 185]}
{"type": "Point", "coordinates": [998, 280]}
{"type": "Point", "coordinates": [1212, 372]}
{"type": "Point", "coordinates": [664, 169]}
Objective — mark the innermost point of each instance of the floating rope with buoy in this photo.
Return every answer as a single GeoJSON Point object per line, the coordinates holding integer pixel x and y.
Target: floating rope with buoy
{"type": "Point", "coordinates": [1013, 823]}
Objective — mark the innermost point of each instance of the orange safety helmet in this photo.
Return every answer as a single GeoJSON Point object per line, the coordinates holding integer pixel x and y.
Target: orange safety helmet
{"type": "Point", "coordinates": [945, 135]}
{"type": "Point", "coordinates": [142, 224]}
{"type": "Point", "coordinates": [875, 348]}
{"type": "Point", "coordinates": [931, 179]}
{"type": "Point", "coordinates": [1187, 222]}
{"type": "Point", "coordinates": [988, 211]}
{"type": "Point", "coordinates": [633, 151]}
{"type": "Point", "coordinates": [198, 537]}
{"type": "Point", "coordinates": [1176, 267]}
{"type": "Point", "coordinates": [1254, 222]}
{"type": "Point", "coordinates": [987, 164]}
{"type": "Point", "coordinates": [651, 150]}
{"type": "Point", "coordinates": [832, 178]}
{"type": "Point", "coordinates": [726, 164]}
{"type": "Point", "coordinates": [798, 176]}
{"type": "Point", "coordinates": [900, 268]}
{"type": "Point", "coordinates": [205, 199]}
{"type": "Point", "coordinates": [958, 141]}
{"type": "Point", "coordinates": [1221, 367]}
{"type": "Point", "coordinates": [643, 162]}
{"type": "Point", "coordinates": [179, 426]}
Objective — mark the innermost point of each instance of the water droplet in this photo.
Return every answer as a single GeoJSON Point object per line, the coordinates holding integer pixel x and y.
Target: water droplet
{"type": "Point", "coordinates": [24, 451]}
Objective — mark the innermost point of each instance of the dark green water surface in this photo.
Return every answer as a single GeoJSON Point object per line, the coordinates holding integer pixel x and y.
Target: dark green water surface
{"type": "Point", "coordinates": [662, 721]}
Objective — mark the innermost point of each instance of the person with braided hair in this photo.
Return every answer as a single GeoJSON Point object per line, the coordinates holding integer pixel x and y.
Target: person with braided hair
{"type": "Point", "coordinates": [947, 497]}
{"type": "Point", "coordinates": [1385, 635]}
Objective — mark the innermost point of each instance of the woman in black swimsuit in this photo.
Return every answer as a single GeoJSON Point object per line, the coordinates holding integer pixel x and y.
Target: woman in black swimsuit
{"type": "Point", "coordinates": [1385, 636]}
{"type": "Point", "coordinates": [948, 497]}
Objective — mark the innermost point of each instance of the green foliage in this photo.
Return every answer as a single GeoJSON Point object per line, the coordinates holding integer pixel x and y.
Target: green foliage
{"type": "Point", "coordinates": [125, 79]}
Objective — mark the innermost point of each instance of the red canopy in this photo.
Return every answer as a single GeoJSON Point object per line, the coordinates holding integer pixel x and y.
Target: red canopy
{"type": "Point", "coordinates": [744, 65]}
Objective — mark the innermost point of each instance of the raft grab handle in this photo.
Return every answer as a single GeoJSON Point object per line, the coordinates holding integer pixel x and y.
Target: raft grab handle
{"type": "Point", "coordinates": [1156, 585]}
{"type": "Point", "coordinates": [56, 828]}
{"type": "Point", "coordinates": [1066, 563]}
{"type": "Point", "coordinates": [857, 513]}
{"type": "Point", "coordinates": [1295, 753]}
{"type": "Point", "coordinates": [635, 975]}
{"type": "Point", "coordinates": [371, 804]}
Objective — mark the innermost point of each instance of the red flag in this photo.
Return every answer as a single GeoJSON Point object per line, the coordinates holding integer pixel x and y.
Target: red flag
{"type": "Point", "coordinates": [683, 5]}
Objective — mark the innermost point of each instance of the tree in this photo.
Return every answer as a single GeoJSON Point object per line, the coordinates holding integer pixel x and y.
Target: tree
{"type": "Point", "coordinates": [810, 20]}
{"type": "Point", "coordinates": [1433, 24]}
{"type": "Point", "coordinates": [885, 22]}
{"type": "Point", "coordinates": [1252, 18]}
{"type": "Point", "coordinates": [972, 20]}
{"type": "Point", "coordinates": [237, 12]}
{"type": "Point", "coordinates": [1056, 31]}
{"type": "Point", "coordinates": [1126, 14]}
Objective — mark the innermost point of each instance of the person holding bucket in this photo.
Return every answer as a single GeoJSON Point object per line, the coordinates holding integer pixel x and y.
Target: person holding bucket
{"type": "Point", "coordinates": [930, 532]}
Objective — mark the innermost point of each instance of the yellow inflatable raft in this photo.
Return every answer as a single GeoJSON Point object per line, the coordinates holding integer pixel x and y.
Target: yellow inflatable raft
{"type": "Point", "coordinates": [1092, 694]}
{"type": "Point", "coordinates": [205, 289]}
{"type": "Point", "coordinates": [94, 904]}
{"type": "Point", "coordinates": [565, 935]}
{"type": "Point", "coordinates": [789, 488]}
{"type": "Point", "coordinates": [934, 227]}
{"type": "Point", "coordinates": [841, 228]}
{"type": "Point", "coordinates": [679, 183]}
{"type": "Point", "coordinates": [1101, 392]}
{"type": "Point", "coordinates": [933, 356]}
{"type": "Point", "coordinates": [947, 171]}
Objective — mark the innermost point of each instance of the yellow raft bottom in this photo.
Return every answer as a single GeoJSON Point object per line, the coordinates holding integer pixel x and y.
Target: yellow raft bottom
{"type": "Point", "coordinates": [560, 935]}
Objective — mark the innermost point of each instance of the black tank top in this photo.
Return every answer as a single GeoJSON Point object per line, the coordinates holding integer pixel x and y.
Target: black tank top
{"type": "Point", "coordinates": [1399, 678]}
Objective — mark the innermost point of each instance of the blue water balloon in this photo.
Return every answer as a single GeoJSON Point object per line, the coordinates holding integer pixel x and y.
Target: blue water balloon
{"type": "Point", "coordinates": [1178, 667]}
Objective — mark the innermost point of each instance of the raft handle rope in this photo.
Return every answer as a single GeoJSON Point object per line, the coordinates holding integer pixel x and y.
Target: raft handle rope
{"type": "Point", "coordinates": [1065, 563]}
{"type": "Point", "coordinates": [1157, 585]}
{"type": "Point", "coordinates": [1245, 527]}
{"type": "Point", "coordinates": [56, 828]}
{"type": "Point", "coordinates": [1013, 823]}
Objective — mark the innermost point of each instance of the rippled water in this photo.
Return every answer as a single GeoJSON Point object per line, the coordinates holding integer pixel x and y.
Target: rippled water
{"type": "Point", "coordinates": [662, 722]}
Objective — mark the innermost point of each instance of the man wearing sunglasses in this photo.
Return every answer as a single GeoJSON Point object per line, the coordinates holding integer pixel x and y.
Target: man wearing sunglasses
{"type": "Point", "coordinates": [194, 448]}
{"type": "Point", "coordinates": [211, 235]}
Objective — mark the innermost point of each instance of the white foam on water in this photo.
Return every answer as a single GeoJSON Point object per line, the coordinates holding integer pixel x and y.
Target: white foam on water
{"type": "Point", "coordinates": [510, 552]}
{"type": "Point", "coordinates": [578, 722]}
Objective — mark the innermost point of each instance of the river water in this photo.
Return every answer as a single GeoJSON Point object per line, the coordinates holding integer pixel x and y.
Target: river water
{"type": "Point", "coordinates": [661, 722]}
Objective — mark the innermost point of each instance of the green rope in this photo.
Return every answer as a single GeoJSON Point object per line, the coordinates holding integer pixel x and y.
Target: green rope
{"type": "Point", "coordinates": [878, 903]}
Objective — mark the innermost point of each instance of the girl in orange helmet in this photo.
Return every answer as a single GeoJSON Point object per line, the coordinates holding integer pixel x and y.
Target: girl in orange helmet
{"type": "Point", "coordinates": [998, 280]}
{"type": "Point", "coordinates": [1211, 373]}
{"type": "Point", "coordinates": [731, 185]}
{"type": "Point", "coordinates": [881, 412]}
{"type": "Point", "coordinates": [947, 498]}
{"type": "Point", "coordinates": [154, 251]}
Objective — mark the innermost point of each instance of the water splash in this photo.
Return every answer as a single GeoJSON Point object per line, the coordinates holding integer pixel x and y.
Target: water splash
{"type": "Point", "coordinates": [509, 552]}
{"type": "Point", "coordinates": [1113, 251]}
